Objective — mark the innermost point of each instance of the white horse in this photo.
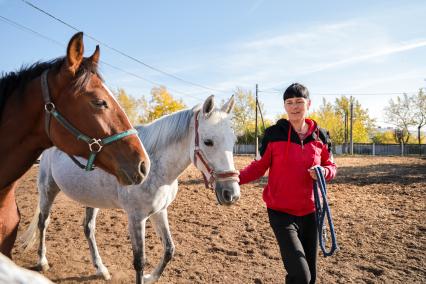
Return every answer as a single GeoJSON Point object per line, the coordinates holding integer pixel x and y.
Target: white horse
{"type": "Point", "coordinates": [202, 135]}
{"type": "Point", "coordinates": [10, 273]}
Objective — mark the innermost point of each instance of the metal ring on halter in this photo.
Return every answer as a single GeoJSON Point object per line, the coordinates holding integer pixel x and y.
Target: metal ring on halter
{"type": "Point", "coordinates": [49, 107]}
{"type": "Point", "coordinates": [97, 143]}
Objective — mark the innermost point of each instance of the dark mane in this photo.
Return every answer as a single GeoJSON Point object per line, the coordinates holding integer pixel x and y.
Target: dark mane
{"type": "Point", "coordinates": [17, 81]}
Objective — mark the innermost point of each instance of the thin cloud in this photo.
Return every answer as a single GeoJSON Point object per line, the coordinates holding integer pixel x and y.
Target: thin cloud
{"type": "Point", "coordinates": [384, 51]}
{"type": "Point", "coordinates": [255, 6]}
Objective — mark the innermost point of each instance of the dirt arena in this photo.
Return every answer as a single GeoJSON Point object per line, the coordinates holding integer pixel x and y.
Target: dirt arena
{"type": "Point", "coordinates": [378, 206]}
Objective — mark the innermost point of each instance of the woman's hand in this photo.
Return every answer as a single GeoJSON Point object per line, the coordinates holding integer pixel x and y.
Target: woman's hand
{"type": "Point", "coordinates": [312, 171]}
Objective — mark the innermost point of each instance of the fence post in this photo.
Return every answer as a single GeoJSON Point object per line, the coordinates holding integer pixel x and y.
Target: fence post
{"type": "Point", "coordinates": [374, 149]}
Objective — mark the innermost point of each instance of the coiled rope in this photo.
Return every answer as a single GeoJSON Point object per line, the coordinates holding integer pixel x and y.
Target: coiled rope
{"type": "Point", "coordinates": [322, 209]}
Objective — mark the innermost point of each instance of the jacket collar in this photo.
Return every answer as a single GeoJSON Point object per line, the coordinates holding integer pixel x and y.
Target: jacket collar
{"type": "Point", "coordinates": [285, 124]}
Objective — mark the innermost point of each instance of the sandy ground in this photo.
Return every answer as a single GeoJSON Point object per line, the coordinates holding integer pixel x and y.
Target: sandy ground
{"type": "Point", "coordinates": [378, 206]}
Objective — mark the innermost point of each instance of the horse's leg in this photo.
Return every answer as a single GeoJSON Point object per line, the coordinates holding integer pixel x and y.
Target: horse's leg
{"type": "Point", "coordinates": [137, 235]}
{"type": "Point", "coordinates": [47, 194]}
{"type": "Point", "coordinates": [89, 231]}
{"type": "Point", "coordinates": [9, 219]}
{"type": "Point", "coordinates": [161, 225]}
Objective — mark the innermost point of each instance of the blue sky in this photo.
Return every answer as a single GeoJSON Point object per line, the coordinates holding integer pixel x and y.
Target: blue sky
{"type": "Point", "coordinates": [375, 50]}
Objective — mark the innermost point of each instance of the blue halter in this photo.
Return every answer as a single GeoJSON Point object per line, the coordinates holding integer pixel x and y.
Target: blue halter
{"type": "Point", "coordinates": [95, 145]}
{"type": "Point", "coordinates": [320, 213]}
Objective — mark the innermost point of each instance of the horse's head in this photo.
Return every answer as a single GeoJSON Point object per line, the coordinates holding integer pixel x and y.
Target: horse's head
{"type": "Point", "coordinates": [212, 148]}
{"type": "Point", "coordinates": [81, 97]}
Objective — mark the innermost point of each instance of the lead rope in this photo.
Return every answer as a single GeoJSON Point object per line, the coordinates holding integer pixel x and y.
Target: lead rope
{"type": "Point", "coordinates": [320, 213]}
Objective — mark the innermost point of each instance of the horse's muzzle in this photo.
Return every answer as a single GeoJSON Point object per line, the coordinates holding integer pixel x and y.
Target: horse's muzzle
{"type": "Point", "coordinates": [227, 192]}
{"type": "Point", "coordinates": [131, 176]}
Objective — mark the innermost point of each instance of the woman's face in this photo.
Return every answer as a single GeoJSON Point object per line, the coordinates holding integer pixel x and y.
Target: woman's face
{"type": "Point", "coordinates": [296, 108]}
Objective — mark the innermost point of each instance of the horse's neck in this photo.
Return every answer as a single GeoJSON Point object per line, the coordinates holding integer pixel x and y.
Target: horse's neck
{"type": "Point", "coordinates": [169, 163]}
{"type": "Point", "coordinates": [22, 135]}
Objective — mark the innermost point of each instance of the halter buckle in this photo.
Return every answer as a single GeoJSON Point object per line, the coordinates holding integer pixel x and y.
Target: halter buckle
{"type": "Point", "coordinates": [95, 145]}
{"type": "Point", "coordinates": [49, 107]}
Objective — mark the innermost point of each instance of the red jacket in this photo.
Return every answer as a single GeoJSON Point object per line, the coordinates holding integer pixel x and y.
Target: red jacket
{"type": "Point", "coordinates": [288, 158]}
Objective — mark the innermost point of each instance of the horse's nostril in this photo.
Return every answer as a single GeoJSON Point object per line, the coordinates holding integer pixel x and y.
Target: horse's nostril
{"type": "Point", "coordinates": [227, 195]}
{"type": "Point", "coordinates": [137, 179]}
{"type": "Point", "coordinates": [142, 168]}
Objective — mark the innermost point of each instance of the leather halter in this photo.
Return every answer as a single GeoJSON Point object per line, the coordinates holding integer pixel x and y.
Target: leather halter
{"type": "Point", "coordinates": [95, 145]}
{"type": "Point", "coordinates": [210, 176]}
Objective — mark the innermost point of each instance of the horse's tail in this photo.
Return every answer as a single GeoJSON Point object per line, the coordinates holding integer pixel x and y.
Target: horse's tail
{"type": "Point", "coordinates": [29, 237]}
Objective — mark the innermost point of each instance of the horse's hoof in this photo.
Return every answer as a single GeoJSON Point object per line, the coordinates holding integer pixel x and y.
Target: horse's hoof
{"type": "Point", "coordinates": [107, 276]}
{"type": "Point", "coordinates": [104, 273]}
{"type": "Point", "coordinates": [43, 267]}
{"type": "Point", "coordinates": [148, 279]}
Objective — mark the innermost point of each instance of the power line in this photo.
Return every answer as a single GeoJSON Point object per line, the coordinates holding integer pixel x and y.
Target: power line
{"type": "Point", "coordinates": [24, 28]}
{"type": "Point", "coordinates": [27, 29]}
{"type": "Point", "coordinates": [150, 81]}
{"type": "Point", "coordinates": [347, 94]}
{"type": "Point", "coordinates": [121, 52]}
{"type": "Point", "coordinates": [363, 94]}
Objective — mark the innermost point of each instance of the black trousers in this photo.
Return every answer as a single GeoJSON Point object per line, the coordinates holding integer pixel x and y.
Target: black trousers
{"type": "Point", "coordinates": [297, 238]}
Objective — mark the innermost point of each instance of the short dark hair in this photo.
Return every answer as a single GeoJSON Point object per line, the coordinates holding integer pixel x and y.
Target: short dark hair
{"type": "Point", "coordinates": [296, 90]}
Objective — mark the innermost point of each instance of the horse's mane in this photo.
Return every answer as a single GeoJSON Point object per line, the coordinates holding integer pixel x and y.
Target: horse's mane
{"type": "Point", "coordinates": [164, 130]}
{"type": "Point", "coordinates": [170, 128]}
{"type": "Point", "coordinates": [16, 81]}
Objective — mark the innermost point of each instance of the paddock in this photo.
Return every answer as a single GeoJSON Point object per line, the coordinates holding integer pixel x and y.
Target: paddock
{"type": "Point", "coordinates": [378, 206]}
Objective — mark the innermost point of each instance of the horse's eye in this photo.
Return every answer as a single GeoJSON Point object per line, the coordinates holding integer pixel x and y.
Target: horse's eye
{"type": "Point", "coordinates": [208, 142]}
{"type": "Point", "coordinates": [100, 103]}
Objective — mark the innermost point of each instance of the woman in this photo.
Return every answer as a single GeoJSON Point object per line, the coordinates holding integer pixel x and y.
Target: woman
{"type": "Point", "coordinates": [290, 149]}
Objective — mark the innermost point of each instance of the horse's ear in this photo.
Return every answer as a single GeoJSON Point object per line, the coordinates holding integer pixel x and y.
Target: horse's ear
{"type": "Point", "coordinates": [95, 56]}
{"type": "Point", "coordinates": [208, 106]}
{"type": "Point", "coordinates": [75, 52]}
{"type": "Point", "coordinates": [229, 105]}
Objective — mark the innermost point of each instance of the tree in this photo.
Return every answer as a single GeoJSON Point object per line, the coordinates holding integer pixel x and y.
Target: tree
{"type": "Point", "coordinates": [400, 113]}
{"type": "Point", "coordinates": [332, 118]}
{"type": "Point", "coordinates": [244, 116]}
{"type": "Point", "coordinates": [161, 103]}
{"type": "Point", "coordinates": [327, 117]}
{"type": "Point", "coordinates": [244, 112]}
{"type": "Point", "coordinates": [129, 104]}
{"type": "Point", "coordinates": [419, 106]}
{"type": "Point", "coordinates": [386, 137]}
{"type": "Point", "coordinates": [143, 105]}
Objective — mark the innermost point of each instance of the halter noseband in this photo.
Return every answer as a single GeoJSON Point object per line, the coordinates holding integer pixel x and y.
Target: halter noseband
{"type": "Point", "coordinates": [95, 145]}
{"type": "Point", "coordinates": [212, 176]}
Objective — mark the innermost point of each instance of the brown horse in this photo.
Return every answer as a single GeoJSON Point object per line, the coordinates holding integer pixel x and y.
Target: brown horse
{"type": "Point", "coordinates": [62, 103]}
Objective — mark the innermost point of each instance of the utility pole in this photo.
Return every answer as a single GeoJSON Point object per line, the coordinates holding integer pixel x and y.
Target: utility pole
{"type": "Point", "coordinates": [261, 116]}
{"type": "Point", "coordinates": [255, 130]}
{"type": "Point", "coordinates": [345, 122]}
{"type": "Point", "coordinates": [347, 130]}
{"type": "Point", "coordinates": [351, 127]}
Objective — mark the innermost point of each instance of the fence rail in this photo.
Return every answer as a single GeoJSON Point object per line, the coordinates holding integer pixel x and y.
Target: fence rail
{"type": "Point", "coordinates": [244, 149]}
{"type": "Point", "coordinates": [359, 149]}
